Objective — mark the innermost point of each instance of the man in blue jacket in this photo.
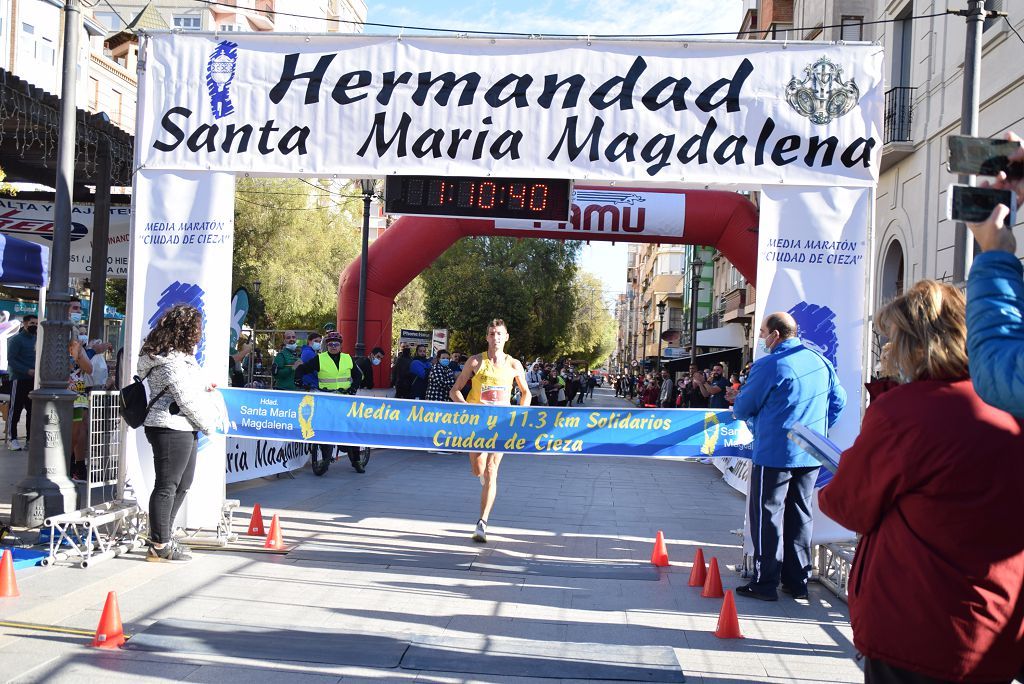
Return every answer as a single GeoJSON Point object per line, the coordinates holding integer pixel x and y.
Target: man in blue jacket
{"type": "Point", "coordinates": [792, 383]}
{"type": "Point", "coordinates": [995, 307]}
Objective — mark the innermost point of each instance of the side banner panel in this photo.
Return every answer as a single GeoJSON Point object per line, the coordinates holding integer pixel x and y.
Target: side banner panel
{"type": "Point", "coordinates": [407, 424]}
{"type": "Point", "coordinates": [247, 459]}
{"type": "Point", "coordinates": [812, 253]}
{"type": "Point", "coordinates": [180, 242]}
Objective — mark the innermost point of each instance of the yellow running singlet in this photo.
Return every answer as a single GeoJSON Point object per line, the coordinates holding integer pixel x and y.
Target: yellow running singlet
{"type": "Point", "coordinates": [492, 384]}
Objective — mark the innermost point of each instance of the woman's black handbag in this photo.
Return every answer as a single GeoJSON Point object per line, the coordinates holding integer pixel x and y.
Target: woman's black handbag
{"type": "Point", "coordinates": [134, 405]}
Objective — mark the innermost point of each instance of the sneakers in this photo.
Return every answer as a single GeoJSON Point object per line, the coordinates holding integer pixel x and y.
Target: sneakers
{"type": "Point", "coordinates": [15, 445]}
{"type": "Point", "coordinates": [170, 553]}
{"type": "Point", "coordinates": [747, 590]}
{"type": "Point", "coordinates": [480, 535]}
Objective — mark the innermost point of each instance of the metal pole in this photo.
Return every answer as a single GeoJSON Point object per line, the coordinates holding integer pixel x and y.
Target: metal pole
{"type": "Point", "coordinates": [100, 235]}
{"type": "Point", "coordinates": [963, 249]}
{"type": "Point", "coordinates": [361, 311]}
{"type": "Point", "coordinates": [46, 490]}
{"type": "Point", "coordinates": [643, 349]}
{"type": "Point", "coordinates": [661, 329]}
{"type": "Point", "coordinates": [694, 288]}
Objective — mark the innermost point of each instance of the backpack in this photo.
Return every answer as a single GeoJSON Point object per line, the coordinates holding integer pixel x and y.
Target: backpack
{"type": "Point", "coordinates": [133, 405]}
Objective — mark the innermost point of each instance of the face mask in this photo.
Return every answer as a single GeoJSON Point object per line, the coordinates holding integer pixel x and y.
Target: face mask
{"type": "Point", "coordinates": [315, 346]}
{"type": "Point", "coordinates": [764, 345]}
{"type": "Point", "coordinates": [445, 362]}
{"type": "Point", "coordinates": [76, 317]}
{"type": "Point", "coordinates": [291, 346]}
{"type": "Point", "coordinates": [83, 338]}
{"type": "Point", "coordinates": [375, 362]}
{"type": "Point", "coordinates": [31, 329]}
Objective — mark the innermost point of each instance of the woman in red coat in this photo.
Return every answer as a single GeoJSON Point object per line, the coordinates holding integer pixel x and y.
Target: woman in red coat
{"type": "Point", "coordinates": [935, 483]}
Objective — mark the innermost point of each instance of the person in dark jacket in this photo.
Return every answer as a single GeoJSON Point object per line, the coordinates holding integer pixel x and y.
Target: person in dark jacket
{"type": "Point", "coordinates": [419, 368]}
{"type": "Point", "coordinates": [21, 362]}
{"type": "Point", "coordinates": [401, 378]}
{"type": "Point", "coordinates": [933, 482]}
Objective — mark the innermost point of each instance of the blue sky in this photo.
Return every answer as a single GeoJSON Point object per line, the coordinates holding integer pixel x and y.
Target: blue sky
{"type": "Point", "coordinates": [570, 17]}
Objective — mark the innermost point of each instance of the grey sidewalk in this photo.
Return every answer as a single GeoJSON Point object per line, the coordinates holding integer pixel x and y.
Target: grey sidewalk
{"type": "Point", "coordinates": [385, 585]}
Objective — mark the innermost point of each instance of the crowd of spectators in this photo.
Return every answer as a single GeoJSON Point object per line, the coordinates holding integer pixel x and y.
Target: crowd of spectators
{"type": "Point", "coordinates": [712, 388]}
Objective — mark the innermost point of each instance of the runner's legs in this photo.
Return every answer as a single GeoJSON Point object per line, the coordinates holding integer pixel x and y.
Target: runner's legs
{"type": "Point", "coordinates": [486, 464]}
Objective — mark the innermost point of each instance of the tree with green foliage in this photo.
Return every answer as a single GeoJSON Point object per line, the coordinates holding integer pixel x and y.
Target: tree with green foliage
{"type": "Point", "coordinates": [590, 337]}
{"type": "Point", "coordinates": [526, 282]}
{"type": "Point", "coordinates": [296, 238]}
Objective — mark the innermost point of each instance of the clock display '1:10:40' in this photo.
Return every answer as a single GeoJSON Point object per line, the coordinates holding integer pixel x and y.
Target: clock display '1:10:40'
{"type": "Point", "coordinates": [536, 199]}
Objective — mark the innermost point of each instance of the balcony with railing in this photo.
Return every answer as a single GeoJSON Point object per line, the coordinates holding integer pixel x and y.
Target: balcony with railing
{"type": "Point", "coordinates": [897, 131]}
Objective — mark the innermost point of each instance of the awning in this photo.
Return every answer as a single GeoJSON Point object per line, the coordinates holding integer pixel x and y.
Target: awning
{"type": "Point", "coordinates": [732, 358]}
{"type": "Point", "coordinates": [729, 335]}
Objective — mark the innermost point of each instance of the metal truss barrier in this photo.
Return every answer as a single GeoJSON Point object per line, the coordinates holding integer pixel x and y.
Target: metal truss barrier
{"type": "Point", "coordinates": [832, 563]}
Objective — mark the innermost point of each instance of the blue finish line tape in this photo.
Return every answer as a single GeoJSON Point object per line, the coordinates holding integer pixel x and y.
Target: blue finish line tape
{"type": "Point", "coordinates": [408, 424]}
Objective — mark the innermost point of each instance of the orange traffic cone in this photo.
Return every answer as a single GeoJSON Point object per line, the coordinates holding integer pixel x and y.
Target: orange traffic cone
{"type": "Point", "coordinates": [713, 583]}
{"type": "Point", "coordinates": [274, 540]}
{"type": "Point", "coordinates": [109, 633]}
{"type": "Point", "coordinates": [8, 584]}
{"type": "Point", "coordinates": [698, 573]}
{"type": "Point", "coordinates": [659, 556]}
{"type": "Point", "coordinates": [256, 523]}
{"type": "Point", "coordinates": [728, 621]}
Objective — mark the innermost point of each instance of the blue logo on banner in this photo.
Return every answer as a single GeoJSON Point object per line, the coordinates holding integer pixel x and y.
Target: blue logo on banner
{"type": "Point", "coordinates": [182, 293]}
{"type": "Point", "coordinates": [220, 72]}
{"type": "Point", "coordinates": [817, 329]}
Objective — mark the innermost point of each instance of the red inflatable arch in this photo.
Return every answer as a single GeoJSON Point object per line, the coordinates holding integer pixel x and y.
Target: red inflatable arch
{"type": "Point", "coordinates": [725, 220]}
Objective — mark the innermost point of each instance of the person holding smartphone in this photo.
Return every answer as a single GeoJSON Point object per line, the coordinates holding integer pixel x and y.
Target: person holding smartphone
{"type": "Point", "coordinates": [995, 305]}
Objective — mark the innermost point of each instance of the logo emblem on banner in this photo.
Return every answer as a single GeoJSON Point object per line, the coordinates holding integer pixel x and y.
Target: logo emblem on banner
{"type": "Point", "coordinates": [817, 326]}
{"type": "Point", "coordinates": [306, 417]}
{"type": "Point", "coordinates": [182, 293]}
{"type": "Point", "coordinates": [711, 430]}
{"type": "Point", "coordinates": [220, 71]}
{"type": "Point", "coordinates": [823, 95]}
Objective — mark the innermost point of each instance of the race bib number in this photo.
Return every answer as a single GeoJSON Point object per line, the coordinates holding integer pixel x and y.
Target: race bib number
{"type": "Point", "coordinates": [493, 394]}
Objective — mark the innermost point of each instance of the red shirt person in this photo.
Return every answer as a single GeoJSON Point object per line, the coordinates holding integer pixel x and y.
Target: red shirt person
{"type": "Point", "coordinates": [934, 483]}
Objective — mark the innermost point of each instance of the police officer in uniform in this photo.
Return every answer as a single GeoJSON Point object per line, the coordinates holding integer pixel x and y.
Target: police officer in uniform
{"type": "Point", "coordinates": [336, 372]}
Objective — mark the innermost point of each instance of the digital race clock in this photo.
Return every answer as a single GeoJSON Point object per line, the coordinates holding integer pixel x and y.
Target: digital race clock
{"type": "Point", "coordinates": [531, 199]}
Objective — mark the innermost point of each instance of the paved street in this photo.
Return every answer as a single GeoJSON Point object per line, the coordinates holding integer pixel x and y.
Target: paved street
{"type": "Point", "coordinates": [384, 584]}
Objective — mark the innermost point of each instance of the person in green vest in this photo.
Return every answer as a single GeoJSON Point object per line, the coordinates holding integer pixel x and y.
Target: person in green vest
{"type": "Point", "coordinates": [336, 373]}
{"type": "Point", "coordinates": [284, 362]}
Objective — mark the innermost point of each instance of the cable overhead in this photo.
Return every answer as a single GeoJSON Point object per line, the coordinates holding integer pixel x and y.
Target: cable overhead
{"type": "Point", "coordinates": [465, 32]}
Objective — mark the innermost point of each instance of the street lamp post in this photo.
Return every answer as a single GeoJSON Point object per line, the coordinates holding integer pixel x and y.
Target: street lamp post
{"type": "Point", "coordinates": [643, 348]}
{"type": "Point", "coordinates": [697, 267]}
{"type": "Point", "coordinates": [661, 329]}
{"type": "Point", "coordinates": [46, 490]}
{"type": "Point", "coordinates": [367, 186]}
{"type": "Point", "coordinates": [257, 304]}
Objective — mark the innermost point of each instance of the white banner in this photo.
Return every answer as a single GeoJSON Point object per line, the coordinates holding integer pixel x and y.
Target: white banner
{"type": "Point", "coordinates": [181, 240]}
{"type": "Point", "coordinates": [722, 112]}
{"type": "Point", "coordinates": [812, 259]}
{"type": "Point", "coordinates": [248, 459]}
{"type": "Point", "coordinates": [630, 213]}
{"type": "Point", "coordinates": [33, 221]}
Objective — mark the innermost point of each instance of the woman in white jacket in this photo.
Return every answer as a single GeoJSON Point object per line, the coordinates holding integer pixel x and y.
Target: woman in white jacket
{"type": "Point", "coordinates": [181, 408]}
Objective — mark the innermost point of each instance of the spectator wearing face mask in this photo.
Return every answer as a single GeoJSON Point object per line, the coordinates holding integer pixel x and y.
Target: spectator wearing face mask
{"type": "Point", "coordinates": [441, 377]}
{"type": "Point", "coordinates": [21, 360]}
{"type": "Point", "coordinates": [285, 361]}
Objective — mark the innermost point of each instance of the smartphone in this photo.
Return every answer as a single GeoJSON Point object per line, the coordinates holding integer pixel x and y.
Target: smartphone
{"type": "Point", "coordinates": [983, 156]}
{"type": "Point", "coordinates": [974, 205]}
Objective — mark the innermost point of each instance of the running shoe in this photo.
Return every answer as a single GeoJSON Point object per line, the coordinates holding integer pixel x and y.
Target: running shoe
{"type": "Point", "coordinates": [15, 445]}
{"type": "Point", "coordinates": [480, 535]}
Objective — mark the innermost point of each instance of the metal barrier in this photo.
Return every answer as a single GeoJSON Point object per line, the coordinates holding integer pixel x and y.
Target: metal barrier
{"type": "Point", "coordinates": [106, 526]}
{"type": "Point", "coordinates": [832, 563]}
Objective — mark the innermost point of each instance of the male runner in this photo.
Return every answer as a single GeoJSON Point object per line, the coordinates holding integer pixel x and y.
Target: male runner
{"type": "Point", "coordinates": [492, 375]}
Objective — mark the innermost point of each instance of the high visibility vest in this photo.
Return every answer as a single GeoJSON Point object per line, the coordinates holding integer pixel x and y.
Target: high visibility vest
{"type": "Point", "coordinates": [335, 376]}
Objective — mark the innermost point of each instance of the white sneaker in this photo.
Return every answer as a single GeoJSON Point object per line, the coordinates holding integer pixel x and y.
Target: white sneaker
{"type": "Point", "coordinates": [15, 445]}
{"type": "Point", "coordinates": [482, 481]}
{"type": "Point", "coordinates": [480, 535]}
